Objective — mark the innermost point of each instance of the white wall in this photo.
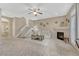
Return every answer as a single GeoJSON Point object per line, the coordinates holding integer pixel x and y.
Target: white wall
{"type": "Point", "coordinates": [0, 22]}
{"type": "Point", "coordinates": [78, 20]}
{"type": "Point", "coordinates": [72, 18]}
{"type": "Point", "coordinates": [73, 30]}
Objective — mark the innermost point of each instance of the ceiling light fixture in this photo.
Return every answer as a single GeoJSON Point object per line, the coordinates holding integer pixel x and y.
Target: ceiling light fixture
{"type": "Point", "coordinates": [35, 11]}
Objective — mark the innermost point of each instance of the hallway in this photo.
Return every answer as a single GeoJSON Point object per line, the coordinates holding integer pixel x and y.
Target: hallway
{"type": "Point", "coordinates": [23, 47]}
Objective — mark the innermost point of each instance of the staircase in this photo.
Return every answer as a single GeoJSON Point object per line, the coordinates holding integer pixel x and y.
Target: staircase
{"type": "Point", "coordinates": [26, 32]}
{"type": "Point", "coordinates": [23, 31]}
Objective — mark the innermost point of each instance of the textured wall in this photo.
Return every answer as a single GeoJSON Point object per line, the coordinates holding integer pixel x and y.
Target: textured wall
{"type": "Point", "coordinates": [54, 24]}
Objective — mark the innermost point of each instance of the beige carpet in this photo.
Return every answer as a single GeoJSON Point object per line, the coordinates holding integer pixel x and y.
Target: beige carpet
{"type": "Point", "coordinates": [27, 47]}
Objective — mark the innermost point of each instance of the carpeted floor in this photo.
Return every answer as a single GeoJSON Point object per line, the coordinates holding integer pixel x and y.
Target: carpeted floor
{"type": "Point", "coordinates": [27, 47]}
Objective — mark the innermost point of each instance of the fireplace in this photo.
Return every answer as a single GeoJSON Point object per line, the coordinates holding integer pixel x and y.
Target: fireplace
{"type": "Point", "coordinates": [60, 35]}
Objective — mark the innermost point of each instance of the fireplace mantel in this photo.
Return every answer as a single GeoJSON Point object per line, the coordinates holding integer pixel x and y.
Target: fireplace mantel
{"type": "Point", "coordinates": [62, 29]}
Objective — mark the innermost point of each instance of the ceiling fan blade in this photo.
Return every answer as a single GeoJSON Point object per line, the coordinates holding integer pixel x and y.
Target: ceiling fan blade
{"type": "Point", "coordinates": [39, 12]}
{"type": "Point", "coordinates": [29, 12]}
{"type": "Point", "coordinates": [34, 10]}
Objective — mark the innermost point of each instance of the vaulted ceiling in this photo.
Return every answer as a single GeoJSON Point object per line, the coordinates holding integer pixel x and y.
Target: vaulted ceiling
{"type": "Point", "coordinates": [48, 9]}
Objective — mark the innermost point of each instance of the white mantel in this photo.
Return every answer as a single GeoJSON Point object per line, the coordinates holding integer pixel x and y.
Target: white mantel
{"type": "Point", "coordinates": [62, 29]}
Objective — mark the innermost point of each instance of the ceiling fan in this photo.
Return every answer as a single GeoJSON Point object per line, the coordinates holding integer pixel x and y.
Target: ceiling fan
{"type": "Point", "coordinates": [35, 11]}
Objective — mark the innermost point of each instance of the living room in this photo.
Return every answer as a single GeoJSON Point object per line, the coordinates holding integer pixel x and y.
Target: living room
{"type": "Point", "coordinates": [38, 29]}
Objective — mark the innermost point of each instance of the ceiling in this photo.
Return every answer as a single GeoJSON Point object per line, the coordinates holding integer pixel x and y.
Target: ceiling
{"type": "Point", "coordinates": [48, 9]}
